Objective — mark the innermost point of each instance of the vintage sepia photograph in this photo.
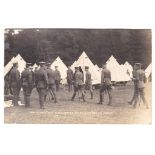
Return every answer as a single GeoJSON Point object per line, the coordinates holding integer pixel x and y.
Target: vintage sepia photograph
{"type": "Point", "coordinates": [77, 76]}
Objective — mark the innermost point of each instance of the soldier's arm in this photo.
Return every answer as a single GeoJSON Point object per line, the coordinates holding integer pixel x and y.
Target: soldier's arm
{"type": "Point", "coordinates": [18, 75]}
{"type": "Point", "coordinates": [102, 77]}
{"type": "Point", "coordinates": [59, 74]}
{"type": "Point", "coordinates": [46, 78]}
{"type": "Point", "coordinates": [30, 78]}
{"type": "Point", "coordinates": [110, 76]}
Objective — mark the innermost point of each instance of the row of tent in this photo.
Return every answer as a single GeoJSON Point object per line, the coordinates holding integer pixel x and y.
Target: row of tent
{"type": "Point", "coordinates": [119, 73]}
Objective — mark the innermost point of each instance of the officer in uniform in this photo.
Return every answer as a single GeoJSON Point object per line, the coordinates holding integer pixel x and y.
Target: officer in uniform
{"type": "Point", "coordinates": [51, 82]}
{"type": "Point", "coordinates": [135, 83]}
{"type": "Point", "coordinates": [27, 84]}
{"type": "Point", "coordinates": [88, 81]}
{"type": "Point", "coordinates": [141, 79]}
{"type": "Point", "coordinates": [105, 84]}
{"type": "Point", "coordinates": [69, 78]}
{"type": "Point", "coordinates": [57, 78]}
{"type": "Point", "coordinates": [78, 84]}
{"type": "Point", "coordinates": [15, 83]}
{"type": "Point", "coordinates": [41, 83]}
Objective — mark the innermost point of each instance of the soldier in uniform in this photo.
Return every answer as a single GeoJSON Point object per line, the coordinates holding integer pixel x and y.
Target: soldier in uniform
{"type": "Point", "coordinates": [135, 84]}
{"type": "Point", "coordinates": [57, 78]}
{"type": "Point", "coordinates": [88, 81]}
{"type": "Point", "coordinates": [27, 83]}
{"type": "Point", "coordinates": [69, 78]}
{"type": "Point", "coordinates": [141, 79]}
{"type": "Point", "coordinates": [105, 85]}
{"type": "Point", "coordinates": [51, 82]}
{"type": "Point", "coordinates": [41, 81]}
{"type": "Point", "coordinates": [78, 84]}
{"type": "Point", "coordinates": [15, 83]}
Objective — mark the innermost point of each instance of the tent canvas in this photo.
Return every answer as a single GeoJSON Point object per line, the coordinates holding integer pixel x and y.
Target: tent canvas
{"type": "Point", "coordinates": [62, 68]}
{"type": "Point", "coordinates": [21, 64]}
{"type": "Point", "coordinates": [83, 61]}
{"type": "Point", "coordinates": [128, 68]}
{"type": "Point", "coordinates": [117, 73]}
{"type": "Point", "coordinates": [8, 67]}
{"type": "Point", "coordinates": [73, 65]}
{"type": "Point", "coordinates": [148, 71]}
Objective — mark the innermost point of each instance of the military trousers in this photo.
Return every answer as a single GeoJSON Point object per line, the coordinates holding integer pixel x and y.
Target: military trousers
{"type": "Point", "coordinates": [15, 92]}
{"type": "Point", "coordinates": [140, 94]}
{"type": "Point", "coordinates": [42, 94]}
{"type": "Point", "coordinates": [27, 94]}
{"type": "Point", "coordinates": [105, 89]}
{"type": "Point", "coordinates": [79, 88]}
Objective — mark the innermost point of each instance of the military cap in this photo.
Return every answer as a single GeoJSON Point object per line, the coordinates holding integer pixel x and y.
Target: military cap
{"type": "Point", "coordinates": [15, 63]}
{"type": "Point", "coordinates": [42, 62]}
{"type": "Point", "coordinates": [138, 64]}
{"type": "Point", "coordinates": [86, 67]}
{"type": "Point", "coordinates": [48, 63]}
{"type": "Point", "coordinates": [28, 64]}
{"type": "Point", "coordinates": [104, 65]}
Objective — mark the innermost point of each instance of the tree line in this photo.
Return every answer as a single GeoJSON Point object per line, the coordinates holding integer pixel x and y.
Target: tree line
{"type": "Point", "coordinates": [34, 45]}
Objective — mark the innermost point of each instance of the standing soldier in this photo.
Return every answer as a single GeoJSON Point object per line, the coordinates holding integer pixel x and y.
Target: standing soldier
{"type": "Point", "coordinates": [78, 84]}
{"type": "Point", "coordinates": [51, 82]}
{"type": "Point", "coordinates": [69, 78]}
{"type": "Point", "coordinates": [57, 78]}
{"type": "Point", "coordinates": [105, 85]}
{"type": "Point", "coordinates": [15, 83]}
{"type": "Point", "coordinates": [41, 84]}
{"type": "Point", "coordinates": [135, 84]}
{"type": "Point", "coordinates": [88, 81]}
{"type": "Point", "coordinates": [27, 83]}
{"type": "Point", "coordinates": [141, 79]}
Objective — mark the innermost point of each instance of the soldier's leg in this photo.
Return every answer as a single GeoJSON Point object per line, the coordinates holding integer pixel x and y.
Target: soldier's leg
{"type": "Point", "coordinates": [81, 88]}
{"type": "Point", "coordinates": [74, 93]}
{"type": "Point", "coordinates": [39, 93]}
{"type": "Point", "coordinates": [136, 99]}
{"type": "Point", "coordinates": [28, 94]}
{"type": "Point", "coordinates": [42, 97]}
{"type": "Point", "coordinates": [54, 93]}
{"type": "Point", "coordinates": [142, 95]}
{"type": "Point", "coordinates": [101, 94]}
{"type": "Point", "coordinates": [109, 90]}
{"type": "Point", "coordinates": [91, 91]}
{"type": "Point", "coordinates": [16, 96]}
{"type": "Point", "coordinates": [24, 93]}
{"type": "Point", "coordinates": [134, 95]}
{"type": "Point", "coordinates": [13, 98]}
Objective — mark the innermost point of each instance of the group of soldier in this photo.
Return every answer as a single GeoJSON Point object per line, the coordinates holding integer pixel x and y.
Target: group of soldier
{"type": "Point", "coordinates": [47, 81]}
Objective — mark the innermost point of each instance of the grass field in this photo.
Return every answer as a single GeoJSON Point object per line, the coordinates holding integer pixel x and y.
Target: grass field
{"type": "Point", "coordinates": [67, 111]}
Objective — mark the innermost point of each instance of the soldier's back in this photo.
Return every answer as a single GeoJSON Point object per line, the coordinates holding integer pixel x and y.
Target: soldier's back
{"type": "Point", "coordinates": [57, 74]}
{"type": "Point", "coordinates": [14, 76]}
{"type": "Point", "coordinates": [41, 78]}
{"type": "Point", "coordinates": [88, 78]}
{"type": "Point", "coordinates": [140, 77]}
{"type": "Point", "coordinates": [106, 76]}
{"type": "Point", "coordinates": [51, 76]}
{"type": "Point", "coordinates": [79, 78]}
